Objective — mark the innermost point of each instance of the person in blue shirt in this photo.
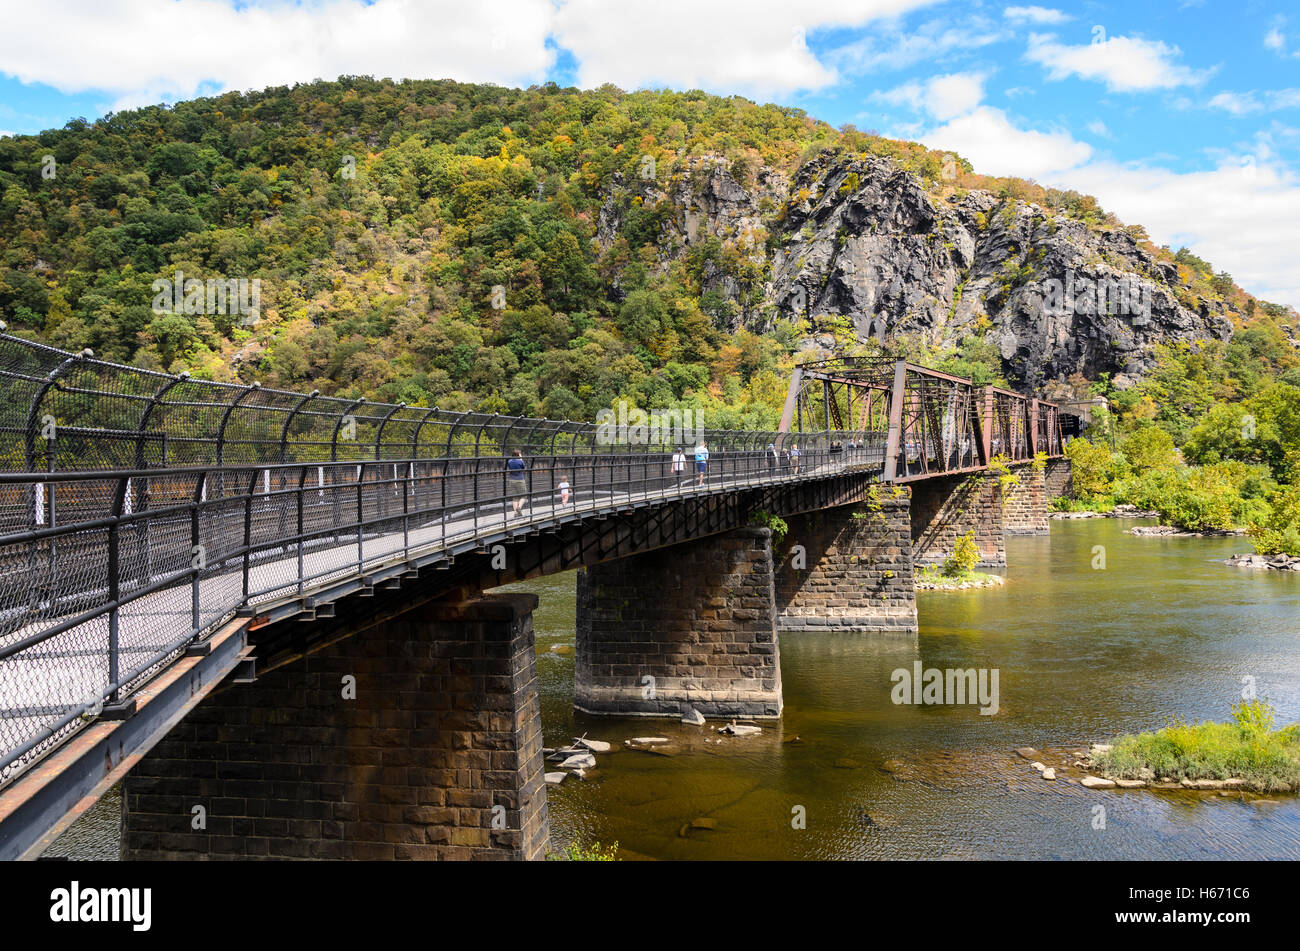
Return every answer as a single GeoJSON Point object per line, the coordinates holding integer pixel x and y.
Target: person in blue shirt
{"type": "Point", "coordinates": [517, 481]}
{"type": "Point", "coordinates": [701, 461]}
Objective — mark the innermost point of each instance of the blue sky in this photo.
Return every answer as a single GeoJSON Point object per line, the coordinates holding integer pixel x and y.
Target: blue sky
{"type": "Point", "coordinates": [1182, 116]}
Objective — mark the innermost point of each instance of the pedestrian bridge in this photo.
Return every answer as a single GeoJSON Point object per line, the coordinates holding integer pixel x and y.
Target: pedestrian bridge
{"type": "Point", "coordinates": [164, 535]}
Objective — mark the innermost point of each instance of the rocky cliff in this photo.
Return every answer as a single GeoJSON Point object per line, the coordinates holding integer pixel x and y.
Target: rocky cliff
{"type": "Point", "coordinates": [864, 239]}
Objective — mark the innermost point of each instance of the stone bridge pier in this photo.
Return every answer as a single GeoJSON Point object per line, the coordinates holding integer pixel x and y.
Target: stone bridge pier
{"type": "Point", "coordinates": [419, 738]}
{"type": "Point", "coordinates": [947, 507]}
{"type": "Point", "coordinates": [849, 568]}
{"type": "Point", "coordinates": [689, 625]}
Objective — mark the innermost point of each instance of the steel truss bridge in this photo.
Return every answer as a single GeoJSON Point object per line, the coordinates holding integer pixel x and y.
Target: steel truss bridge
{"type": "Point", "coordinates": [145, 515]}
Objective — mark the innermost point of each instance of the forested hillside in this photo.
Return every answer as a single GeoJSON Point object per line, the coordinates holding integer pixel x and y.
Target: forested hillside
{"type": "Point", "coordinates": [549, 251]}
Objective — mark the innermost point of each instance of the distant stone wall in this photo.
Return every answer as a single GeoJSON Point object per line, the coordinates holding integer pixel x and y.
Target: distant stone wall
{"type": "Point", "coordinates": [691, 625]}
{"type": "Point", "coordinates": [1058, 480]}
{"type": "Point", "coordinates": [1024, 506]}
{"type": "Point", "coordinates": [439, 756]}
{"type": "Point", "coordinates": [947, 507]}
{"type": "Point", "coordinates": [856, 572]}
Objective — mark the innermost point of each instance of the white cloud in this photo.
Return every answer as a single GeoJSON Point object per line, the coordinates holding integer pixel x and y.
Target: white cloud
{"type": "Point", "coordinates": [143, 52]}
{"type": "Point", "coordinates": [757, 47]}
{"type": "Point", "coordinates": [1123, 63]}
{"type": "Point", "coordinates": [929, 42]}
{"type": "Point", "coordinates": [1240, 104]}
{"type": "Point", "coordinates": [943, 97]}
{"type": "Point", "coordinates": [1097, 127]}
{"type": "Point", "coordinates": [1035, 15]}
{"type": "Point", "coordinates": [995, 146]}
{"type": "Point", "coordinates": [1274, 40]}
{"type": "Point", "coordinates": [5, 134]}
{"type": "Point", "coordinates": [146, 52]}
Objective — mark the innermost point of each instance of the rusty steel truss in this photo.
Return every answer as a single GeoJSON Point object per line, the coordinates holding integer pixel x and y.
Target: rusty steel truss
{"type": "Point", "coordinates": [933, 423]}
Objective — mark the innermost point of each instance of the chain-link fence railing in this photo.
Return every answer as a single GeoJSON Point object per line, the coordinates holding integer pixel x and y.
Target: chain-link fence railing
{"type": "Point", "coordinates": [139, 510]}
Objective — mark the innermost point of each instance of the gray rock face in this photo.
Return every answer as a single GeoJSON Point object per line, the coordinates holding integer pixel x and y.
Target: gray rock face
{"type": "Point", "coordinates": [863, 239]}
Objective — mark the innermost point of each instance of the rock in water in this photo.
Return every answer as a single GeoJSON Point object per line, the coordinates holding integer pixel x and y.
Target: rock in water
{"type": "Point", "coordinates": [1028, 752]}
{"type": "Point", "coordinates": [554, 779]}
{"type": "Point", "coordinates": [596, 746]}
{"type": "Point", "coordinates": [648, 740]}
{"type": "Point", "coordinates": [693, 717]}
{"type": "Point", "coordinates": [740, 729]}
{"type": "Point", "coordinates": [579, 761]}
{"type": "Point", "coordinates": [1049, 773]}
{"type": "Point", "coordinates": [1093, 782]}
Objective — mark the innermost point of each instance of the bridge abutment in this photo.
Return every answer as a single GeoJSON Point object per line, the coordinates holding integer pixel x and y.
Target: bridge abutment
{"type": "Point", "coordinates": [947, 507]}
{"type": "Point", "coordinates": [417, 739]}
{"type": "Point", "coordinates": [849, 568]}
{"type": "Point", "coordinates": [692, 625]}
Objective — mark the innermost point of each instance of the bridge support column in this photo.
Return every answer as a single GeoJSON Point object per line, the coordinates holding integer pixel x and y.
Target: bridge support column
{"type": "Point", "coordinates": [1024, 505]}
{"type": "Point", "coordinates": [946, 507]}
{"type": "Point", "coordinates": [849, 568]}
{"type": "Point", "coordinates": [692, 625]}
{"type": "Point", "coordinates": [417, 739]}
{"type": "Point", "coordinates": [1057, 479]}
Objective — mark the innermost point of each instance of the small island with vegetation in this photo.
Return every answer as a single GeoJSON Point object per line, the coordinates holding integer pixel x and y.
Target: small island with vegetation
{"type": "Point", "coordinates": [957, 570]}
{"type": "Point", "coordinates": [1245, 753]}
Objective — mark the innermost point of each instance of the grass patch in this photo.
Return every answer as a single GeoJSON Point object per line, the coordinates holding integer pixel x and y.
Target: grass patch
{"type": "Point", "coordinates": [590, 853]}
{"type": "Point", "coordinates": [1247, 747]}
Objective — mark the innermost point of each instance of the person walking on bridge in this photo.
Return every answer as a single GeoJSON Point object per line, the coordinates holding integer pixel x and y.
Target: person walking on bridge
{"type": "Point", "coordinates": [679, 465]}
{"type": "Point", "coordinates": [517, 481]}
{"type": "Point", "coordinates": [794, 458]}
{"type": "Point", "coordinates": [701, 461]}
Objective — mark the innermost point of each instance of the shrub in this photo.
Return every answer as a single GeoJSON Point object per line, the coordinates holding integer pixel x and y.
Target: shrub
{"type": "Point", "coordinates": [1149, 448]}
{"type": "Point", "coordinates": [965, 556]}
{"type": "Point", "coordinates": [1278, 532]}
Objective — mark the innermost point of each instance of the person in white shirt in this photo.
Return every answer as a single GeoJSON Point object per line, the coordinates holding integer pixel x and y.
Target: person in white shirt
{"type": "Point", "coordinates": [564, 490]}
{"type": "Point", "coordinates": [679, 464]}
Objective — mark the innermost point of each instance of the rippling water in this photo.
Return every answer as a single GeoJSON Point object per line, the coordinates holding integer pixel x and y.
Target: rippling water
{"type": "Point", "coordinates": [1082, 655]}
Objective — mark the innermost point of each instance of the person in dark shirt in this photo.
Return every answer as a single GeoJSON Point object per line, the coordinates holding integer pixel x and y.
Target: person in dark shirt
{"type": "Point", "coordinates": [517, 481]}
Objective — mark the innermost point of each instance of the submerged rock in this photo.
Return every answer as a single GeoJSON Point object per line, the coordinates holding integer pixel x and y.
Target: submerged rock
{"type": "Point", "coordinates": [740, 729]}
{"type": "Point", "coordinates": [1028, 752]}
{"type": "Point", "coordinates": [1094, 782]}
{"type": "Point", "coordinates": [693, 717]}
{"type": "Point", "coordinates": [596, 746]}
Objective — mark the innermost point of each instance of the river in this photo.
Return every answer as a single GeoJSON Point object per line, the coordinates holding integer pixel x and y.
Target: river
{"type": "Point", "coordinates": [1082, 654]}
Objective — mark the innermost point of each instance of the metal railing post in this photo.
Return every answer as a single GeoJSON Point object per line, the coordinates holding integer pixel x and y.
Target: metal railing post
{"type": "Point", "coordinates": [115, 590]}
